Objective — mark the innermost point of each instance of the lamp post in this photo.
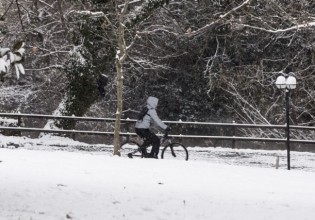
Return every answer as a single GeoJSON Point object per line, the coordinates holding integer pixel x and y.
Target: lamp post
{"type": "Point", "coordinates": [287, 82]}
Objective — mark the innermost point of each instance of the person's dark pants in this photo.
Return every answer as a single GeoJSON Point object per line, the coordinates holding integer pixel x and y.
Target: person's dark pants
{"type": "Point", "coordinates": [149, 138]}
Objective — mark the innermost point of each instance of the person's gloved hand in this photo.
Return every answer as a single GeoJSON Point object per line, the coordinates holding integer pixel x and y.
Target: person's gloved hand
{"type": "Point", "coordinates": [168, 129]}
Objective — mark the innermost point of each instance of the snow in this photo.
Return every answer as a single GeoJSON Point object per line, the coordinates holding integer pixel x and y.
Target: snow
{"type": "Point", "coordinates": [3, 66]}
{"type": "Point", "coordinates": [8, 121]}
{"type": "Point", "coordinates": [6, 61]}
{"type": "Point", "coordinates": [40, 181]}
{"type": "Point", "coordinates": [76, 53]}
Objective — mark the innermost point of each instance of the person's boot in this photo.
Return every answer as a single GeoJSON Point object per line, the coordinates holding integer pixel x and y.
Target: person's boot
{"type": "Point", "coordinates": [144, 152]}
{"type": "Point", "coordinates": [153, 155]}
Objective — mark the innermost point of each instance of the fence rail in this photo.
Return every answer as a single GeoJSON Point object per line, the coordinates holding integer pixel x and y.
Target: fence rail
{"type": "Point", "coordinates": [233, 138]}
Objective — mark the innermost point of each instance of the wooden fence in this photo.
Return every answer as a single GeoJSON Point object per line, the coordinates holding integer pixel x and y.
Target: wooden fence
{"type": "Point", "coordinates": [234, 126]}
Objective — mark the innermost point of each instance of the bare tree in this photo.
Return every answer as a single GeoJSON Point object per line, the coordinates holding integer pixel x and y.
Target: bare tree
{"type": "Point", "coordinates": [121, 55]}
{"type": "Point", "coordinates": [126, 20]}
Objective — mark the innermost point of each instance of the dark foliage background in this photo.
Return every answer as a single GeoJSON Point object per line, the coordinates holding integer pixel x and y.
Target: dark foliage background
{"type": "Point", "coordinates": [205, 60]}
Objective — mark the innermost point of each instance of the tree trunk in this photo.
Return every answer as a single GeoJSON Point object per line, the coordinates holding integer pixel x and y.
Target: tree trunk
{"type": "Point", "coordinates": [120, 59]}
{"type": "Point", "coordinates": [119, 108]}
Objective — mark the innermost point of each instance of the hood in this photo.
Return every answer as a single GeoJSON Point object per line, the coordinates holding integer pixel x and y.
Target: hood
{"type": "Point", "coordinates": [152, 102]}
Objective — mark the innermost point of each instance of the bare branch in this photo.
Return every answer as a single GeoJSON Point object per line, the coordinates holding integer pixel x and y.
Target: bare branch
{"type": "Point", "coordinates": [293, 28]}
{"type": "Point", "coordinates": [48, 67]}
{"type": "Point", "coordinates": [19, 12]}
{"type": "Point", "coordinates": [208, 26]}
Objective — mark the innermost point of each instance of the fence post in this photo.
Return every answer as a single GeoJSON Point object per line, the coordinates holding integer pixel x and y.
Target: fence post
{"type": "Point", "coordinates": [234, 133]}
{"type": "Point", "coordinates": [277, 162]}
{"type": "Point", "coordinates": [73, 136]}
{"type": "Point", "coordinates": [19, 124]}
{"type": "Point", "coordinates": [128, 130]}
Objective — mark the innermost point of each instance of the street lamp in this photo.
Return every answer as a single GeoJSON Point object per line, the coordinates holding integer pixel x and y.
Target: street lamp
{"type": "Point", "coordinates": [287, 82]}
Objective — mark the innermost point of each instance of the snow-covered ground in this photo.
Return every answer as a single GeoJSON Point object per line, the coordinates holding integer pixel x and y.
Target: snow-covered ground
{"type": "Point", "coordinates": [40, 181]}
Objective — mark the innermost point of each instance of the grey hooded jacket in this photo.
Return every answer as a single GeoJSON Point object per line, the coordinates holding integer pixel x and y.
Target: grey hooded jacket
{"type": "Point", "coordinates": [151, 115]}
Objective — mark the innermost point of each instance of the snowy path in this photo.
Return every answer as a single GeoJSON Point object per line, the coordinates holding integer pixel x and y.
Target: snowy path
{"type": "Point", "coordinates": [243, 157]}
{"type": "Point", "coordinates": [37, 184]}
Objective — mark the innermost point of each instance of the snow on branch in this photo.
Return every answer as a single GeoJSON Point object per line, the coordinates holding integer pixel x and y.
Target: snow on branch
{"type": "Point", "coordinates": [131, 2]}
{"type": "Point", "coordinates": [43, 2]}
{"type": "Point", "coordinates": [296, 27]}
{"type": "Point", "coordinates": [15, 58]}
{"type": "Point", "coordinates": [48, 67]}
{"type": "Point", "coordinates": [208, 26]}
{"type": "Point", "coordinates": [158, 28]}
{"type": "Point", "coordinates": [273, 30]}
{"type": "Point", "coordinates": [92, 14]}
